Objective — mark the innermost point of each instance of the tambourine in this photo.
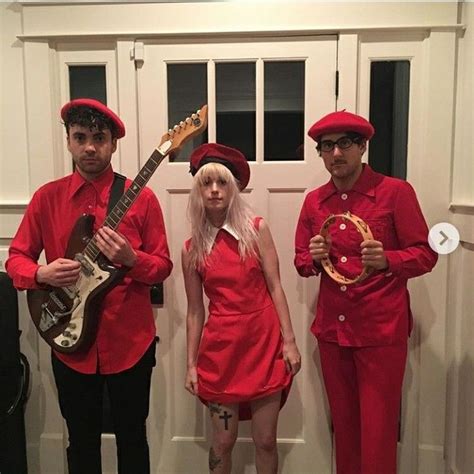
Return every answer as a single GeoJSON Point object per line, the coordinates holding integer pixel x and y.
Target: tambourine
{"type": "Point", "coordinates": [366, 233]}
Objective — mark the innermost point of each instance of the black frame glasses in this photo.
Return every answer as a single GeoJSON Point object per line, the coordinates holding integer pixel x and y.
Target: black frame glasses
{"type": "Point", "coordinates": [343, 143]}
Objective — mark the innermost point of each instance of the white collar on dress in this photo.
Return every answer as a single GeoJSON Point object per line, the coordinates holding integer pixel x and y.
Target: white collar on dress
{"type": "Point", "coordinates": [227, 227]}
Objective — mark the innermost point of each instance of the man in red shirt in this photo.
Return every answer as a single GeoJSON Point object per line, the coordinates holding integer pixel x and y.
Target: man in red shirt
{"type": "Point", "coordinates": [122, 354]}
{"type": "Point", "coordinates": [362, 329]}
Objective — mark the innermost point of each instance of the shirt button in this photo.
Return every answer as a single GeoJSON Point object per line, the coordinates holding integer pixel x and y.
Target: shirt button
{"type": "Point", "coordinates": [343, 288]}
{"type": "Point", "coordinates": [341, 318]}
{"type": "Point", "coordinates": [343, 196]}
{"type": "Point", "coordinates": [342, 227]}
{"type": "Point", "coordinates": [343, 259]}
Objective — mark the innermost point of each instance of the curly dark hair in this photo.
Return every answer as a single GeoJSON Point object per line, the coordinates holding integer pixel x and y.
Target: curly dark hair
{"type": "Point", "coordinates": [90, 118]}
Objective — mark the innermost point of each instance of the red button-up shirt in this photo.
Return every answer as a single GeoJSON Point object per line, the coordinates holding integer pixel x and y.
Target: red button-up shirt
{"type": "Point", "coordinates": [126, 324]}
{"type": "Point", "coordinates": [377, 310]}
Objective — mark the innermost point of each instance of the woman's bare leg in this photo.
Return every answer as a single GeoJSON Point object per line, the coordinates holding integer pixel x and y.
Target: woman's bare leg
{"type": "Point", "coordinates": [225, 424]}
{"type": "Point", "coordinates": [264, 429]}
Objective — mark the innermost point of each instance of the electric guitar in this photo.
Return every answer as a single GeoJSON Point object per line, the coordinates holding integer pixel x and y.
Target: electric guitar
{"type": "Point", "coordinates": [66, 318]}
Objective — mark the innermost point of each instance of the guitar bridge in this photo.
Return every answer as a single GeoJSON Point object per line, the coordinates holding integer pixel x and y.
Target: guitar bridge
{"type": "Point", "coordinates": [48, 318]}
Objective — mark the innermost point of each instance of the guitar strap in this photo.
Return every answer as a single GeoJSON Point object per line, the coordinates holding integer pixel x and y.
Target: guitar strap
{"type": "Point", "coordinates": [116, 191]}
{"type": "Point", "coordinates": [118, 186]}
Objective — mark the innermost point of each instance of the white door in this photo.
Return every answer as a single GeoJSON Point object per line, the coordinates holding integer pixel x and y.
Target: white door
{"type": "Point", "coordinates": [421, 444]}
{"type": "Point", "coordinates": [262, 97]}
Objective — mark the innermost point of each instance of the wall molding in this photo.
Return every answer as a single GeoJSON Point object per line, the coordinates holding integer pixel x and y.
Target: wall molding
{"type": "Point", "coordinates": [462, 208]}
{"type": "Point", "coordinates": [239, 34]}
{"type": "Point", "coordinates": [13, 205]}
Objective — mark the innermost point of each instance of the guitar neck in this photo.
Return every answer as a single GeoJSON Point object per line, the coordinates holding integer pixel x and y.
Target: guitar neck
{"type": "Point", "coordinates": [171, 141]}
{"type": "Point", "coordinates": [116, 215]}
{"type": "Point", "coordinates": [128, 198]}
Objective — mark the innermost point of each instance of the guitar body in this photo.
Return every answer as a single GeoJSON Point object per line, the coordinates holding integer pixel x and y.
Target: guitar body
{"type": "Point", "coordinates": [67, 318]}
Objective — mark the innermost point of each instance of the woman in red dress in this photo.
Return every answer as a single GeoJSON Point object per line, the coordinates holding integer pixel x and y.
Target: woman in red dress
{"type": "Point", "coordinates": [242, 360]}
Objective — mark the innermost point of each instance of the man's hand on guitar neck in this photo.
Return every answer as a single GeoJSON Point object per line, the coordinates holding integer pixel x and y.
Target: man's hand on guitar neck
{"type": "Point", "coordinates": [115, 247]}
{"type": "Point", "coordinates": [59, 273]}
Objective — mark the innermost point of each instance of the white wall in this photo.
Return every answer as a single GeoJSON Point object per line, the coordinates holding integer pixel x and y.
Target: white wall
{"type": "Point", "coordinates": [463, 165]}
{"type": "Point", "coordinates": [460, 331]}
{"type": "Point", "coordinates": [14, 194]}
{"type": "Point", "coordinates": [14, 158]}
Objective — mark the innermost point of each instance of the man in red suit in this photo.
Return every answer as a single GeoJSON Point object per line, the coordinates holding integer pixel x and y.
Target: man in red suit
{"type": "Point", "coordinates": [362, 329]}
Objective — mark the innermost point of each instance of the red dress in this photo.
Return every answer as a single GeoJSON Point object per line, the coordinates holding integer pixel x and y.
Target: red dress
{"type": "Point", "coordinates": [240, 355]}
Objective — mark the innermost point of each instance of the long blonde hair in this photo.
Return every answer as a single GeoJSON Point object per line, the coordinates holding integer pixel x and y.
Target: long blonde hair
{"type": "Point", "coordinates": [239, 216]}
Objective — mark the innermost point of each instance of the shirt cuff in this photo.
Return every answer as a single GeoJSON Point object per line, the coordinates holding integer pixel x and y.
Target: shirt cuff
{"type": "Point", "coordinates": [317, 268]}
{"type": "Point", "coordinates": [395, 263]}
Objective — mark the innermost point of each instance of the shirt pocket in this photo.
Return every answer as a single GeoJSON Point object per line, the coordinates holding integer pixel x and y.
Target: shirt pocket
{"type": "Point", "coordinates": [130, 228]}
{"type": "Point", "coordinates": [379, 225]}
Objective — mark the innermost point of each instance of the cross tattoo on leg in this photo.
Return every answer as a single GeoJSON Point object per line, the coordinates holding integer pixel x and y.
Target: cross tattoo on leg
{"type": "Point", "coordinates": [226, 417]}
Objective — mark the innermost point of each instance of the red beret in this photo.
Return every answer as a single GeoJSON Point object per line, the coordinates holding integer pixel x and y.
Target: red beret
{"type": "Point", "coordinates": [95, 104]}
{"type": "Point", "coordinates": [341, 121]}
{"type": "Point", "coordinates": [225, 155]}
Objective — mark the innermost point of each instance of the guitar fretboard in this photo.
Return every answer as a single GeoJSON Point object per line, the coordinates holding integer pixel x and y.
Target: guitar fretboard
{"type": "Point", "coordinates": [128, 198]}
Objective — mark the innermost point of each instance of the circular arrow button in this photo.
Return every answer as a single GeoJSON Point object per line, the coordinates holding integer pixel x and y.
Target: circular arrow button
{"type": "Point", "coordinates": [443, 238]}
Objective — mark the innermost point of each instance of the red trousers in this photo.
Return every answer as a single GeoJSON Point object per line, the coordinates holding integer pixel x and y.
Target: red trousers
{"type": "Point", "coordinates": [364, 386]}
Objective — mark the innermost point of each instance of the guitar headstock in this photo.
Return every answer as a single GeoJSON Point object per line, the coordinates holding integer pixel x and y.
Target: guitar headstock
{"type": "Point", "coordinates": [185, 130]}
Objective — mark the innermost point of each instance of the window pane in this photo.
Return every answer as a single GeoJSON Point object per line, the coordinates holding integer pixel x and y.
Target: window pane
{"type": "Point", "coordinates": [187, 92]}
{"type": "Point", "coordinates": [235, 104]}
{"type": "Point", "coordinates": [389, 103]}
{"type": "Point", "coordinates": [87, 81]}
{"type": "Point", "coordinates": [284, 110]}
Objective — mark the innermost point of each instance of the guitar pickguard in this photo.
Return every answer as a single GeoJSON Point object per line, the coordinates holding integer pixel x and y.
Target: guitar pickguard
{"type": "Point", "coordinates": [91, 279]}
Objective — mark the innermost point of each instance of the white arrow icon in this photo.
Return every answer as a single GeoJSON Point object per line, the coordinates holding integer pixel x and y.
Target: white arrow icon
{"type": "Point", "coordinates": [449, 238]}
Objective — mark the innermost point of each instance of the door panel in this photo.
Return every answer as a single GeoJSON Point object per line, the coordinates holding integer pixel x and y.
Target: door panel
{"type": "Point", "coordinates": [179, 425]}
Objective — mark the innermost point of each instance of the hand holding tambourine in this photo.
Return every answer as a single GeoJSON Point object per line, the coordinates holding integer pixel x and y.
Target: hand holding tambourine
{"type": "Point", "coordinates": [372, 250]}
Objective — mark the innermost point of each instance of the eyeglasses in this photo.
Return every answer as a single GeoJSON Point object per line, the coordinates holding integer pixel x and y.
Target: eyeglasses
{"type": "Point", "coordinates": [342, 143]}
